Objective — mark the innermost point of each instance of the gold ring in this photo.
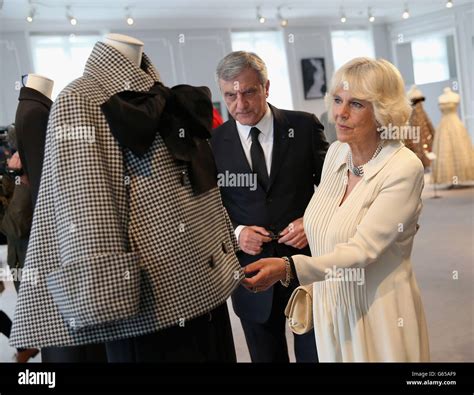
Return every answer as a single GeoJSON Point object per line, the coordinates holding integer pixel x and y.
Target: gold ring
{"type": "Point", "coordinates": [255, 290]}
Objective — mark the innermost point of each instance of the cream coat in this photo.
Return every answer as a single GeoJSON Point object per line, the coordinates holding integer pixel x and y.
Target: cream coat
{"type": "Point", "coordinates": [367, 305]}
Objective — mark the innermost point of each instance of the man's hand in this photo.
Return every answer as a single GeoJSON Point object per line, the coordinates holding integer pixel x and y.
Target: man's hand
{"type": "Point", "coordinates": [293, 235]}
{"type": "Point", "coordinates": [251, 239]}
{"type": "Point", "coordinates": [268, 272]}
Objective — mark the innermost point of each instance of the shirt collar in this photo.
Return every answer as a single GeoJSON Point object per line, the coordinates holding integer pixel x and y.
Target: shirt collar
{"type": "Point", "coordinates": [374, 166]}
{"type": "Point", "coordinates": [264, 125]}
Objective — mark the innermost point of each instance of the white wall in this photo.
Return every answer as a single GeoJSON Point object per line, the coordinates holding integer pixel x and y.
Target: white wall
{"type": "Point", "coordinates": [15, 60]}
{"type": "Point", "coordinates": [457, 22]}
{"type": "Point", "coordinates": [307, 42]}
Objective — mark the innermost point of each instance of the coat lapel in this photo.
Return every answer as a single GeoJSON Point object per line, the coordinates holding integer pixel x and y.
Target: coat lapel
{"type": "Point", "coordinates": [281, 130]}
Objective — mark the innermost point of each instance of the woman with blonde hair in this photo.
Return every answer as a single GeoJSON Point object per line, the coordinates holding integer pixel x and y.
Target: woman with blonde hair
{"type": "Point", "coordinates": [360, 225]}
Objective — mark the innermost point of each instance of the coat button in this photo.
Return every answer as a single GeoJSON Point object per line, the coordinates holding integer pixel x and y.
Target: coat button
{"type": "Point", "coordinates": [225, 250]}
{"type": "Point", "coordinates": [184, 178]}
{"type": "Point", "coordinates": [211, 262]}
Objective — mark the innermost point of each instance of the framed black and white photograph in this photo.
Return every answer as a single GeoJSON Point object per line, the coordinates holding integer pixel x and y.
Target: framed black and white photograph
{"type": "Point", "coordinates": [314, 78]}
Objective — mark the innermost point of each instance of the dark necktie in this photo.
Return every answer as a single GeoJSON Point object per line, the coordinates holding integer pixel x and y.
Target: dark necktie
{"type": "Point", "coordinates": [258, 158]}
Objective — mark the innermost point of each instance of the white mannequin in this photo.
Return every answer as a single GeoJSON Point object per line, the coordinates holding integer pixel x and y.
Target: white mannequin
{"type": "Point", "coordinates": [414, 93]}
{"type": "Point", "coordinates": [41, 84]}
{"type": "Point", "coordinates": [448, 96]}
{"type": "Point", "coordinates": [130, 47]}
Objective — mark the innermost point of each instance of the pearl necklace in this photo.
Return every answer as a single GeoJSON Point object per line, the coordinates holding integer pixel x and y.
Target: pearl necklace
{"type": "Point", "coordinates": [359, 170]}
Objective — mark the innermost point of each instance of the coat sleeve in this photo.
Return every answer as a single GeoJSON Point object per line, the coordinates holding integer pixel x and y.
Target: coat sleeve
{"type": "Point", "coordinates": [392, 216]}
{"type": "Point", "coordinates": [97, 278]}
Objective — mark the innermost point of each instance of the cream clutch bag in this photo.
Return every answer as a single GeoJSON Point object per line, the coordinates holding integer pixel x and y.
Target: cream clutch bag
{"type": "Point", "coordinates": [299, 310]}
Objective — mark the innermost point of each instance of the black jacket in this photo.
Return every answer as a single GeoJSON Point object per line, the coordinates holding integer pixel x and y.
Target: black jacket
{"type": "Point", "coordinates": [299, 148]}
{"type": "Point", "coordinates": [30, 122]}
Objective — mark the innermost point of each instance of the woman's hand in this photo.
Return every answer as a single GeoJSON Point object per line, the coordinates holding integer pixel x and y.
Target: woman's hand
{"type": "Point", "coordinates": [269, 271]}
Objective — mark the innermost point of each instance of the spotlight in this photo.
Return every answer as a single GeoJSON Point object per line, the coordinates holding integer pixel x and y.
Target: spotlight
{"type": "Point", "coordinates": [283, 21]}
{"type": "Point", "coordinates": [260, 17]}
{"type": "Point", "coordinates": [343, 16]}
{"type": "Point", "coordinates": [406, 12]}
{"type": "Point", "coordinates": [449, 4]}
{"type": "Point", "coordinates": [70, 17]}
{"type": "Point", "coordinates": [31, 15]}
{"type": "Point", "coordinates": [371, 16]}
{"type": "Point", "coordinates": [129, 18]}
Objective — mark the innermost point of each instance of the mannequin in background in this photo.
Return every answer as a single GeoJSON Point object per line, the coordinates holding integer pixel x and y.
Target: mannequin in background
{"type": "Point", "coordinates": [452, 145]}
{"type": "Point", "coordinates": [419, 118]}
{"type": "Point", "coordinates": [31, 121]}
{"type": "Point", "coordinates": [42, 84]}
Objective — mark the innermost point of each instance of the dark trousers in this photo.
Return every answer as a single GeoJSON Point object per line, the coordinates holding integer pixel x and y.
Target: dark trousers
{"type": "Point", "coordinates": [207, 338]}
{"type": "Point", "coordinates": [267, 341]}
{"type": "Point", "coordinates": [74, 354]}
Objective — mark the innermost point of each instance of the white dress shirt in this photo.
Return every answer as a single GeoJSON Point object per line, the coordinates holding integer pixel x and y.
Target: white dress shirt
{"type": "Point", "coordinates": [265, 125]}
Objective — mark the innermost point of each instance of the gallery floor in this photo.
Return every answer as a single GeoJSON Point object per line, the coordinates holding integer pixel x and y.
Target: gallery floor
{"type": "Point", "coordinates": [443, 260]}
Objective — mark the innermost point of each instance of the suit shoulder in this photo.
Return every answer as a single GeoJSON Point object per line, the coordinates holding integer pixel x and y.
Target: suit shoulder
{"type": "Point", "coordinates": [292, 115]}
{"type": "Point", "coordinates": [219, 133]}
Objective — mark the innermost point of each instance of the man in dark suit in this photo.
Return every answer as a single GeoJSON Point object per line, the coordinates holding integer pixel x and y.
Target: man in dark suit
{"type": "Point", "coordinates": [268, 162]}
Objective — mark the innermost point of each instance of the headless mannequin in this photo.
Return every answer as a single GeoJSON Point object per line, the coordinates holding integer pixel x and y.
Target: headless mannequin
{"type": "Point", "coordinates": [129, 47]}
{"type": "Point", "coordinates": [41, 84]}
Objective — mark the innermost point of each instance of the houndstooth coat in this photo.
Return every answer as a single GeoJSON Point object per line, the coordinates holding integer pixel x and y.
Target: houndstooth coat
{"type": "Point", "coordinates": [120, 246]}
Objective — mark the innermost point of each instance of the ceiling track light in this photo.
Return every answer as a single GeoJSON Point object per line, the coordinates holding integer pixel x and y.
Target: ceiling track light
{"type": "Point", "coordinates": [449, 4]}
{"type": "Point", "coordinates": [406, 12]}
{"type": "Point", "coordinates": [260, 17]}
{"type": "Point", "coordinates": [371, 16]}
{"type": "Point", "coordinates": [283, 21]}
{"type": "Point", "coordinates": [70, 17]}
{"type": "Point", "coordinates": [31, 15]}
{"type": "Point", "coordinates": [343, 16]}
{"type": "Point", "coordinates": [128, 17]}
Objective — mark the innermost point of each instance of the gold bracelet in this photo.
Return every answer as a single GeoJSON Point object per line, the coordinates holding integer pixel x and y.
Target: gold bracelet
{"type": "Point", "coordinates": [286, 283]}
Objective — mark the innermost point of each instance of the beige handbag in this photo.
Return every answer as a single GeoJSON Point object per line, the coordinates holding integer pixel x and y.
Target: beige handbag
{"type": "Point", "coordinates": [299, 310]}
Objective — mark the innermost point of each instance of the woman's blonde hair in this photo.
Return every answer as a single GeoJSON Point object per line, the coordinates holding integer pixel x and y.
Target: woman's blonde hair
{"type": "Point", "coordinates": [376, 81]}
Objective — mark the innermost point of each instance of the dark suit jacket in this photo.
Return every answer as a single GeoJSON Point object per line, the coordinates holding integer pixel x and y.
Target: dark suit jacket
{"type": "Point", "coordinates": [299, 148]}
{"type": "Point", "coordinates": [30, 122]}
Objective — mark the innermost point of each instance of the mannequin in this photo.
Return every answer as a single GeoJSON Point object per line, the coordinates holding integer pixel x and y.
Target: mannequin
{"type": "Point", "coordinates": [161, 297]}
{"type": "Point", "coordinates": [128, 46]}
{"type": "Point", "coordinates": [40, 83]}
{"type": "Point", "coordinates": [31, 121]}
{"type": "Point", "coordinates": [420, 120]}
{"type": "Point", "coordinates": [452, 145]}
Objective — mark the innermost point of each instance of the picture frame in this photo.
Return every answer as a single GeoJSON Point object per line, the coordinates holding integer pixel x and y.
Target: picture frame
{"type": "Point", "coordinates": [314, 78]}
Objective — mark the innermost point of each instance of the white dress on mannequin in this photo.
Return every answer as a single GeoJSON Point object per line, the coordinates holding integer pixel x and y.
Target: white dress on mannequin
{"type": "Point", "coordinates": [452, 145]}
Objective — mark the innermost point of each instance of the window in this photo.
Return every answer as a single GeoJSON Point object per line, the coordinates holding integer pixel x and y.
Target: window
{"type": "Point", "coordinates": [350, 44]}
{"type": "Point", "coordinates": [430, 59]}
{"type": "Point", "coordinates": [61, 58]}
{"type": "Point", "coordinates": [270, 47]}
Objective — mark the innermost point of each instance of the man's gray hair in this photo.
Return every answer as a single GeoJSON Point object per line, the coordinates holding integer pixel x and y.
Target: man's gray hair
{"type": "Point", "coordinates": [236, 62]}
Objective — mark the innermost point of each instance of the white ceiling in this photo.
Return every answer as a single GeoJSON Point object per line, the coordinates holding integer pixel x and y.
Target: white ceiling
{"type": "Point", "coordinates": [155, 11]}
